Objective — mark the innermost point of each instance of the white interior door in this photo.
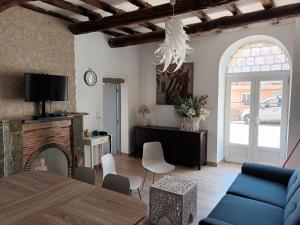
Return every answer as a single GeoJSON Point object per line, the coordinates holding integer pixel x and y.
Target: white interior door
{"type": "Point", "coordinates": [112, 116]}
{"type": "Point", "coordinates": [256, 118]}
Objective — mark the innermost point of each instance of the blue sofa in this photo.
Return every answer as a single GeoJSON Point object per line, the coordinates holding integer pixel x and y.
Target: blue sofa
{"type": "Point", "coordinates": [260, 195]}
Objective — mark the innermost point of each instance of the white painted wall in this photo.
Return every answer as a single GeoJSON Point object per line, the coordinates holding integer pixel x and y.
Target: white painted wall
{"type": "Point", "coordinates": [136, 65]}
{"type": "Point", "coordinates": [92, 51]}
{"type": "Point", "coordinates": [208, 50]}
{"type": "Point", "coordinates": [294, 129]}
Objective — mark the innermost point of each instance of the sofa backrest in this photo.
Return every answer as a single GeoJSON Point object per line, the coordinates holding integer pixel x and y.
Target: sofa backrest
{"type": "Point", "coordinates": [292, 208]}
{"type": "Point", "coordinates": [293, 185]}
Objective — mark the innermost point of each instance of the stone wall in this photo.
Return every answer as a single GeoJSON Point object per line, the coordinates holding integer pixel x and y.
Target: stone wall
{"type": "Point", "coordinates": [32, 42]}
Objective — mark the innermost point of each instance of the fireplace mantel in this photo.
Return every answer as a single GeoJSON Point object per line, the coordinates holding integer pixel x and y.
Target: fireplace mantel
{"type": "Point", "coordinates": [22, 140]}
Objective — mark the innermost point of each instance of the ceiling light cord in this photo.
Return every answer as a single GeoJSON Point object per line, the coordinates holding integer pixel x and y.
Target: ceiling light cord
{"type": "Point", "coordinates": [173, 2]}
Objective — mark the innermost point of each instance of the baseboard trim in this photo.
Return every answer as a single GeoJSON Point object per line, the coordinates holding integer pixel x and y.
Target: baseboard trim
{"type": "Point", "coordinates": [214, 164]}
{"type": "Point", "coordinates": [126, 154]}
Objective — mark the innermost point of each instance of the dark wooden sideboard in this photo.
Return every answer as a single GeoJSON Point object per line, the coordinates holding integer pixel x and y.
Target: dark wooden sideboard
{"type": "Point", "coordinates": [180, 147]}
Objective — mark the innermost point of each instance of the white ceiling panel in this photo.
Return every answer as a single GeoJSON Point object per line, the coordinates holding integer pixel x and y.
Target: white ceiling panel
{"type": "Point", "coordinates": [249, 6]}
{"type": "Point", "coordinates": [126, 6]}
{"type": "Point", "coordinates": [218, 12]}
{"type": "Point", "coordinates": [285, 2]}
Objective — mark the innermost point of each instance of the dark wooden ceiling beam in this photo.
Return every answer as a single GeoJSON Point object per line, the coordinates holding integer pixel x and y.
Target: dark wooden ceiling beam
{"type": "Point", "coordinates": [145, 15]}
{"type": "Point", "coordinates": [268, 4]}
{"type": "Point", "coordinates": [115, 11]}
{"type": "Point", "coordinates": [140, 3]}
{"type": "Point", "coordinates": [127, 30]}
{"type": "Point", "coordinates": [6, 4]}
{"type": "Point", "coordinates": [232, 7]}
{"type": "Point", "coordinates": [104, 6]}
{"type": "Point", "coordinates": [144, 5]}
{"type": "Point", "coordinates": [227, 22]}
{"type": "Point", "coordinates": [202, 16]}
{"type": "Point", "coordinates": [112, 33]}
{"type": "Point", "coordinates": [74, 8]}
{"type": "Point", "coordinates": [48, 12]}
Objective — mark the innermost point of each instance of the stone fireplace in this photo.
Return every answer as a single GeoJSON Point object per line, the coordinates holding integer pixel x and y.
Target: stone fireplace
{"type": "Point", "coordinates": [58, 143]}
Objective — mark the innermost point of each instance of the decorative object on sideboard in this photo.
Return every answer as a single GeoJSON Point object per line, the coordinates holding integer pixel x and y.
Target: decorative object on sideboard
{"type": "Point", "coordinates": [143, 111]}
{"type": "Point", "coordinates": [90, 78]}
{"type": "Point", "coordinates": [171, 85]}
{"type": "Point", "coordinates": [87, 133]}
{"type": "Point", "coordinates": [191, 111]}
{"type": "Point", "coordinates": [175, 47]}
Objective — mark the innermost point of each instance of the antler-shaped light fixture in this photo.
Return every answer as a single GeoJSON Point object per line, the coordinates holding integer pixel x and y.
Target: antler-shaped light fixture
{"type": "Point", "coordinates": [175, 47]}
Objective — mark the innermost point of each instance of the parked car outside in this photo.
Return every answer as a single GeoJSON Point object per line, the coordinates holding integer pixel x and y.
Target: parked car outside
{"type": "Point", "coordinates": [269, 111]}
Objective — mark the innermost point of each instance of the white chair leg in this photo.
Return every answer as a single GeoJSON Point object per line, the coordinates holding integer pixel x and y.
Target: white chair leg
{"type": "Point", "coordinates": [144, 179]}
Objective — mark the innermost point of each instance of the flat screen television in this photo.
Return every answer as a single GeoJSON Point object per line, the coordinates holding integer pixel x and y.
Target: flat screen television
{"type": "Point", "coordinates": [44, 87]}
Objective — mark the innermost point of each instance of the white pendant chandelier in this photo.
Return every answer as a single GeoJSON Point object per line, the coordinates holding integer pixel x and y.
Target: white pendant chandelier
{"type": "Point", "coordinates": [175, 47]}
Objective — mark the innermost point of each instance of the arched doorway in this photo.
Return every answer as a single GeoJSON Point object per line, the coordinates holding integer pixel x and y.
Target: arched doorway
{"type": "Point", "coordinates": [257, 101]}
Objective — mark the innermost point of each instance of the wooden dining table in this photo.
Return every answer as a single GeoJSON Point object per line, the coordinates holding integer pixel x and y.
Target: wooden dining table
{"type": "Point", "coordinates": [43, 198]}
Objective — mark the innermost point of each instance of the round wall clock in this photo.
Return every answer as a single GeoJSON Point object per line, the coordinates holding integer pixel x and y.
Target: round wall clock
{"type": "Point", "coordinates": [90, 78]}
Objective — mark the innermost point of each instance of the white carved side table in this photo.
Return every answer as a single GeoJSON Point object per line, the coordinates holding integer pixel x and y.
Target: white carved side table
{"type": "Point", "coordinates": [174, 198]}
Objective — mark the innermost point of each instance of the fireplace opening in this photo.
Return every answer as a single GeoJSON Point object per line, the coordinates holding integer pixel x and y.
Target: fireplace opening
{"type": "Point", "coordinates": [53, 160]}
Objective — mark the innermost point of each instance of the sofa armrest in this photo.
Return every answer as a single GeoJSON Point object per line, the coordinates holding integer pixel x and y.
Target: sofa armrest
{"type": "Point", "coordinates": [272, 173]}
{"type": "Point", "coordinates": [211, 221]}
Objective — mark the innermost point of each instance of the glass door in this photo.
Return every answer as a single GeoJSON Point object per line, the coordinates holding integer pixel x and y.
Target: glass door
{"type": "Point", "coordinates": [256, 119]}
{"type": "Point", "coordinates": [239, 116]}
{"type": "Point", "coordinates": [270, 121]}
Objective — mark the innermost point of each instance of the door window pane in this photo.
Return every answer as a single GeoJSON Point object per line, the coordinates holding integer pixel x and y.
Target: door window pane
{"type": "Point", "coordinates": [270, 103]}
{"type": "Point", "coordinates": [240, 112]}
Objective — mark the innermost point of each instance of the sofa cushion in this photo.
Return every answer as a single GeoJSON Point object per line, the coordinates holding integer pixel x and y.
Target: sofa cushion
{"type": "Point", "coordinates": [293, 185]}
{"type": "Point", "coordinates": [266, 172]}
{"type": "Point", "coordinates": [259, 189]}
{"type": "Point", "coordinates": [292, 210]}
{"type": "Point", "coordinates": [242, 211]}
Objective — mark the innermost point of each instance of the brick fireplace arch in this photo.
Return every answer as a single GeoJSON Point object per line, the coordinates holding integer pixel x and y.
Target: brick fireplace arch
{"type": "Point", "coordinates": [65, 150]}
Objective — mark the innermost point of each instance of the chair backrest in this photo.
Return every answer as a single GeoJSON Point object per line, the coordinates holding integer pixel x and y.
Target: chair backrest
{"type": "Point", "coordinates": [84, 174]}
{"type": "Point", "coordinates": [108, 165]}
{"type": "Point", "coordinates": [116, 183]}
{"type": "Point", "coordinates": [153, 152]}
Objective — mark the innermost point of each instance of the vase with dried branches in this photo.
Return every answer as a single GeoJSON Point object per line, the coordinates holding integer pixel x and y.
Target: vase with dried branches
{"type": "Point", "coordinates": [191, 112]}
{"type": "Point", "coordinates": [143, 111]}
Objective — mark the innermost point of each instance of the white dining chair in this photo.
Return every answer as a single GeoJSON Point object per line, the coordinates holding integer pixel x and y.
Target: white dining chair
{"type": "Point", "coordinates": [154, 161]}
{"type": "Point", "coordinates": [109, 167]}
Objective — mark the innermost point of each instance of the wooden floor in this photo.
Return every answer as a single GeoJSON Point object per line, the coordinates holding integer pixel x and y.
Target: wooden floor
{"type": "Point", "coordinates": [212, 182]}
